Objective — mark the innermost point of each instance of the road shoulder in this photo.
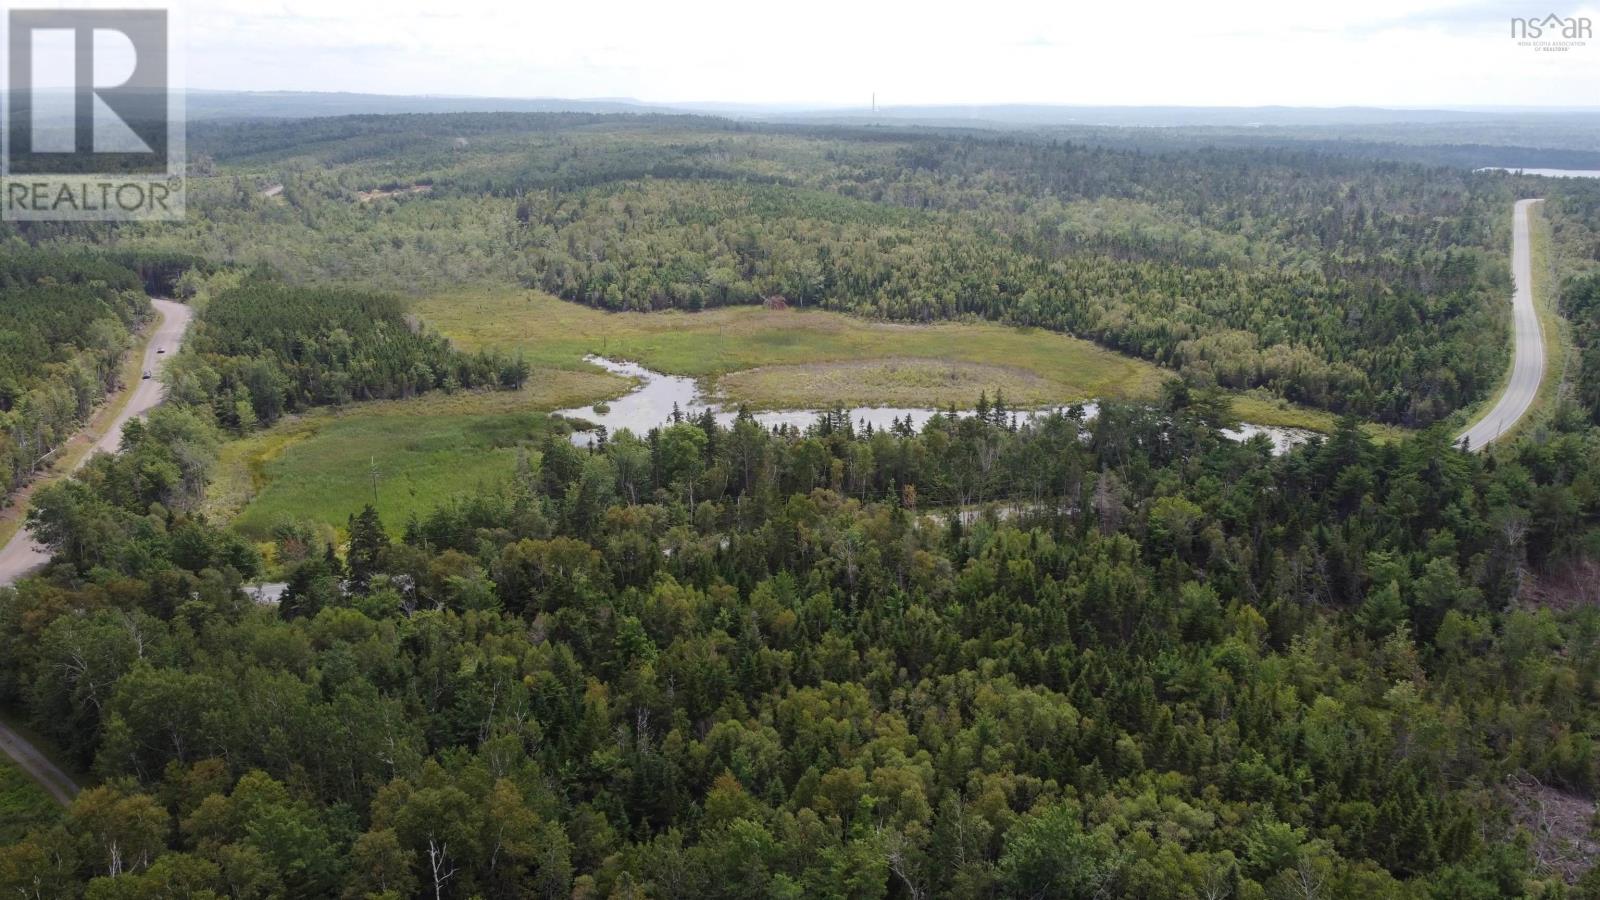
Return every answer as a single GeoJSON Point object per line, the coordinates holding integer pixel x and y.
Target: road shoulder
{"type": "Point", "coordinates": [1555, 328]}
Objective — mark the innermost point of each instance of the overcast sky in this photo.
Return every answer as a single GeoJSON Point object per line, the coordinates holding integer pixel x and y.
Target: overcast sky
{"type": "Point", "coordinates": [838, 52]}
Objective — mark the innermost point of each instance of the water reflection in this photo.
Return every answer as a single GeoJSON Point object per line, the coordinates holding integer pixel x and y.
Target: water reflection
{"type": "Point", "coordinates": [1548, 173]}
{"type": "Point", "coordinates": [651, 404]}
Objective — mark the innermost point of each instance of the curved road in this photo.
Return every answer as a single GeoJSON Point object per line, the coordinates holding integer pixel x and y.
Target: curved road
{"type": "Point", "coordinates": [21, 555]}
{"type": "Point", "coordinates": [1527, 367]}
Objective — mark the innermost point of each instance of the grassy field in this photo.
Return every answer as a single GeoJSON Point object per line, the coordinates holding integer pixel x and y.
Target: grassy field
{"type": "Point", "coordinates": [1263, 408]}
{"type": "Point", "coordinates": [897, 381]}
{"type": "Point", "coordinates": [809, 358]}
{"type": "Point", "coordinates": [803, 358]}
{"type": "Point", "coordinates": [320, 466]}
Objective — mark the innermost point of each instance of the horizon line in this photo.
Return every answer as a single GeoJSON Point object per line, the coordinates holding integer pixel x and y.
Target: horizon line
{"type": "Point", "coordinates": [838, 106]}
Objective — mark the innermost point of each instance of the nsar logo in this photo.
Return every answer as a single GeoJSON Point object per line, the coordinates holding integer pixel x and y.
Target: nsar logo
{"type": "Point", "coordinates": [1553, 32]}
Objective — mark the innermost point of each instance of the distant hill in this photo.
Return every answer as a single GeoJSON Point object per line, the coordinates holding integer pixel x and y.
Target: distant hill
{"type": "Point", "coordinates": [304, 104]}
{"type": "Point", "coordinates": [1176, 116]}
{"type": "Point", "coordinates": [213, 105]}
{"type": "Point", "coordinates": [1470, 138]}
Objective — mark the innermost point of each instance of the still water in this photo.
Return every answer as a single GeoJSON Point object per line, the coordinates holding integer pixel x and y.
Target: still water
{"type": "Point", "coordinates": [1549, 173]}
{"type": "Point", "coordinates": [650, 405]}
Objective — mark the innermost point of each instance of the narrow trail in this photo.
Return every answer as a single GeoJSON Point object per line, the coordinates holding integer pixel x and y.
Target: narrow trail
{"type": "Point", "coordinates": [1527, 367]}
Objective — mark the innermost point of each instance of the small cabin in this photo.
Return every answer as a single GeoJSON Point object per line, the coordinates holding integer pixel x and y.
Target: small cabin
{"type": "Point", "coordinates": [776, 302]}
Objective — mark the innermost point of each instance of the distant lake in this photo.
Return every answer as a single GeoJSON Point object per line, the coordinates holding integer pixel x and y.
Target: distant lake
{"type": "Point", "coordinates": [1548, 173]}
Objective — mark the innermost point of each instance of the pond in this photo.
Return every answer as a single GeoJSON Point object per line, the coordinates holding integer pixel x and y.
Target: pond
{"type": "Point", "coordinates": [651, 403]}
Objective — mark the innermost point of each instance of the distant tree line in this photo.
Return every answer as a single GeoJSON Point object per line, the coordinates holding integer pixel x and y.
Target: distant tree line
{"type": "Point", "coordinates": [1410, 343]}
{"type": "Point", "coordinates": [1331, 278]}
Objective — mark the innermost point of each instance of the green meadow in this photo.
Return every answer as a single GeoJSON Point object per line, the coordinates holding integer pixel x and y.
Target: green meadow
{"type": "Point", "coordinates": [411, 455]}
{"type": "Point", "coordinates": [404, 456]}
{"type": "Point", "coordinates": [812, 358]}
{"type": "Point", "coordinates": [802, 358]}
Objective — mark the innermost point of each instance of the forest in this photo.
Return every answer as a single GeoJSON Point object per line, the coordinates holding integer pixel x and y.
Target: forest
{"type": "Point", "coordinates": [1353, 284]}
{"type": "Point", "coordinates": [65, 321]}
{"type": "Point", "coordinates": [263, 350]}
{"type": "Point", "coordinates": [1580, 303]}
{"type": "Point", "coordinates": [1087, 654]}
{"type": "Point", "coordinates": [708, 662]}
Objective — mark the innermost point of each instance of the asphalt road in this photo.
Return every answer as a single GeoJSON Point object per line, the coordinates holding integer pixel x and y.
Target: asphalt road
{"type": "Point", "coordinates": [1527, 368]}
{"type": "Point", "coordinates": [21, 555]}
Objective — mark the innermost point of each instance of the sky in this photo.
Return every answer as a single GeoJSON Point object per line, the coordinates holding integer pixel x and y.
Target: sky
{"type": "Point", "coordinates": [1397, 53]}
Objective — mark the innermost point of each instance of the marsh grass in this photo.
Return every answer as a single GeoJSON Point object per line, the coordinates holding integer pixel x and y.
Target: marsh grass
{"type": "Point", "coordinates": [1262, 408]}
{"type": "Point", "coordinates": [929, 362]}
{"type": "Point", "coordinates": [416, 453]}
{"type": "Point", "coordinates": [320, 466]}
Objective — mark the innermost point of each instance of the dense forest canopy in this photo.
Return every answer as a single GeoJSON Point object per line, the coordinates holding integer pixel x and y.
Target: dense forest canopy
{"type": "Point", "coordinates": [65, 321]}
{"type": "Point", "coordinates": [1069, 656]}
{"type": "Point", "coordinates": [728, 662]}
{"type": "Point", "coordinates": [263, 349]}
{"type": "Point", "coordinates": [1580, 303]}
{"type": "Point", "coordinates": [1354, 284]}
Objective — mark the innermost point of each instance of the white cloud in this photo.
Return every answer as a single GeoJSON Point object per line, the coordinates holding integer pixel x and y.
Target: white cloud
{"type": "Point", "coordinates": [1246, 52]}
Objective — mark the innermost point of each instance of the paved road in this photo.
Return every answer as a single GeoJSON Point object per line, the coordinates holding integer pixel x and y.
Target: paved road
{"type": "Point", "coordinates": [42, 770]}
{"type": "Point", "coordinates": [21, 555]}
{"type": "Point", "coordinates": [1527, 368]}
